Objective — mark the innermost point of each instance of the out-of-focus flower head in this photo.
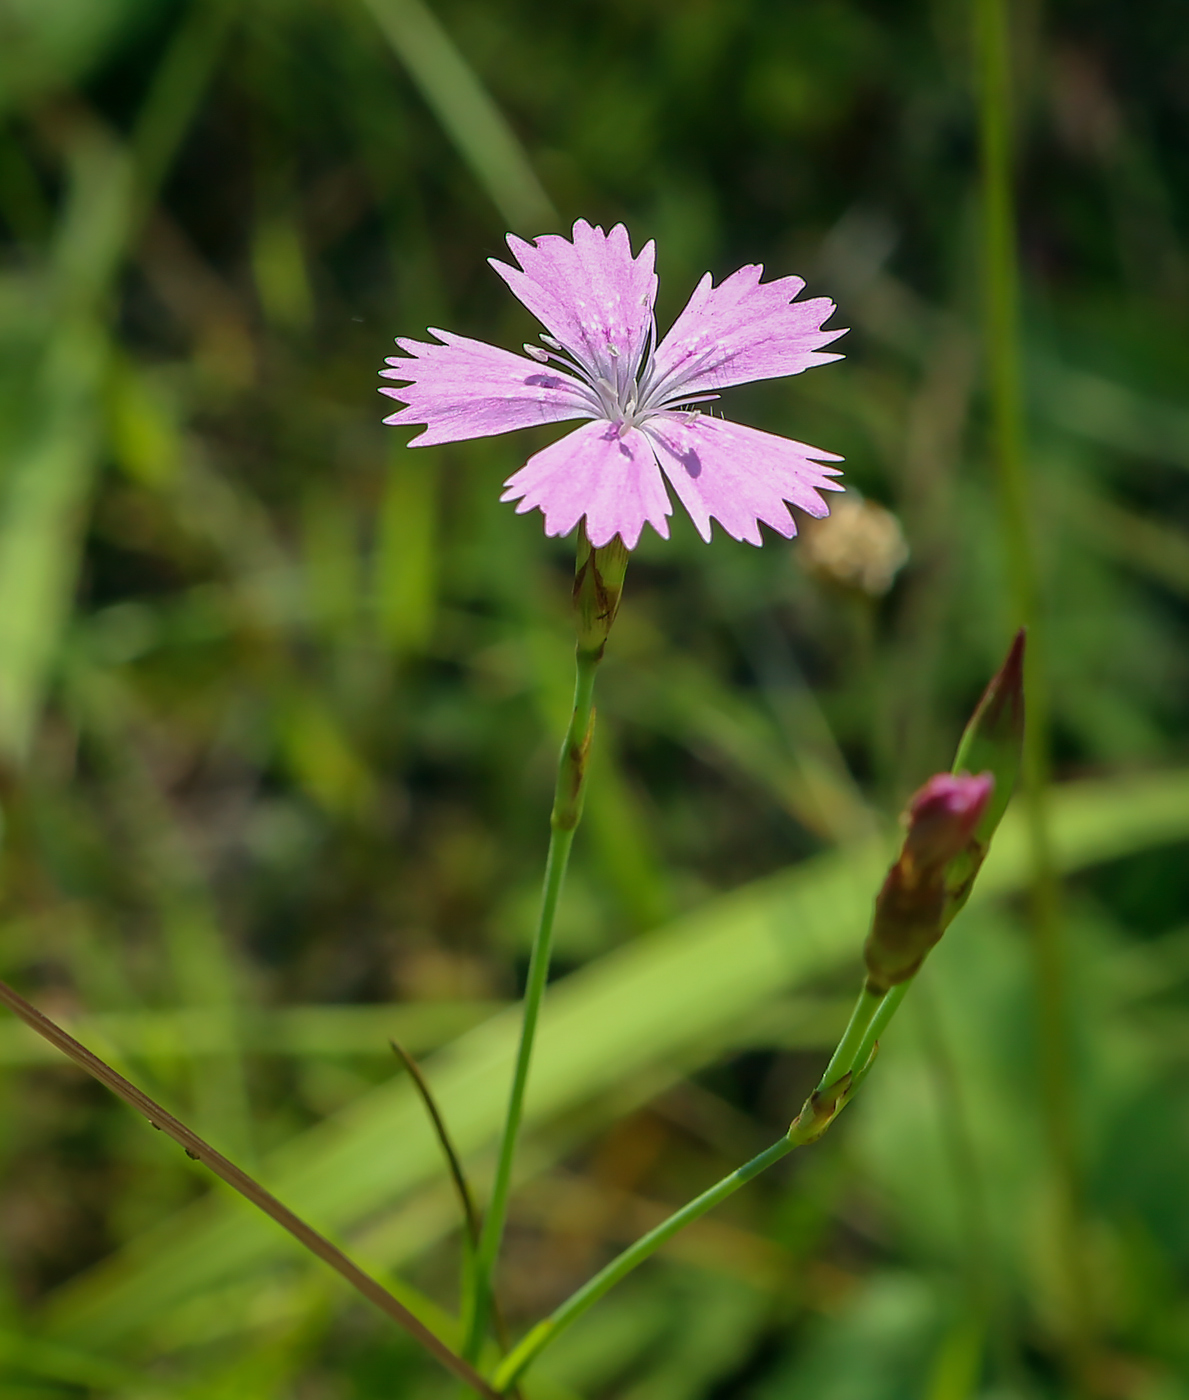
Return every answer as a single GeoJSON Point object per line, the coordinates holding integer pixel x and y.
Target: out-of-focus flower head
{"type": "Point", "coordinates": [860, 547]}
{"type": "Point", "coordinates": [600, 360]}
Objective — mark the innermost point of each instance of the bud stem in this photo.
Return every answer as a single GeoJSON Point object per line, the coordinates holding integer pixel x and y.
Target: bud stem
{"type": "Point", "coordinates": [841, 1075]}
{"type": "Point", "coordinates": [849, 1056]}
{"type": "Point", "coordinates": [884, 1012]}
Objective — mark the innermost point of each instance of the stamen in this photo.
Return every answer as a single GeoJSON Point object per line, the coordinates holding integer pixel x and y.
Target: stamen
{"type": "Point", "coordinates": [647, 358]}
{"type": "Point", "coordinates": [680, 401]}
{"type": "Point", "coordinates": [569, 361]}
{"type": "Point", "coordinates": [664, 389]}
{"type": "Point", "coordinates": [581, 384]}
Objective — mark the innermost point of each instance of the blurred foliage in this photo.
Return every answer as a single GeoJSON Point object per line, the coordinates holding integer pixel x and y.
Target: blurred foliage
{"type": "Point", "coordinates": [279, 699]}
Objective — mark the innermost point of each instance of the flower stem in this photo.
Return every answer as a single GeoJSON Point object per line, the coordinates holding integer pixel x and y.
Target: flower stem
{"type": "Point", "coordinates": [849, 1051]}
{"type": "Point", "coordinates": [819, 1111]}
{"type": "Point", "coordinates": [606, 1279]}
{"type": "Point", "coordinates": [884, 1012]}
{"type": "Point", "coordinates": [567, 811]}
{"type": "Point", "coordinates": [1002, 341]}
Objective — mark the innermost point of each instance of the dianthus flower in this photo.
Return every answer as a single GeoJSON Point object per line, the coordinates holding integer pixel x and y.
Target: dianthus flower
{"type": "Point", "coordinates": [600, 360]}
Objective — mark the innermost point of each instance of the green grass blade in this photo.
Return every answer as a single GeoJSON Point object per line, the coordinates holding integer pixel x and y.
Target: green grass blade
{"type": "Point", "coordinates": [469, 117]}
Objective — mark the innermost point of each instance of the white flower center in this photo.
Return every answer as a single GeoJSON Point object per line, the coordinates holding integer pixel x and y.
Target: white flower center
{"type": "Point", "coordinates": [628, 394]}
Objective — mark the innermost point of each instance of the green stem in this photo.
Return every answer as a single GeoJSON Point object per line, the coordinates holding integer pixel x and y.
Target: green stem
{"type": "Point", "coordinates": [809, 1124]}
{"type": "Point", "coordinates": [849, 1052]}
{"type": "Point", "coordinates": [1002, 336]}
{"type": "Point", "coordinates": [875, 1027]}
{"type": "Point", "coordinates": [574, 1306]}
{"type": "Point", "coordinates": [567, 811]}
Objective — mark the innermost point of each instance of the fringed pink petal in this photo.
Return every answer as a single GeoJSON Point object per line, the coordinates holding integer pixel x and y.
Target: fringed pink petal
{"type": "Point", "coordinates": [590, 293]}
{"type": "Point", "coordinates": [741, 330]}
{"type": "Point", "coordinates": [465, 389]}
{"type": "Point", "coordinates": [597, 471]}
{"type": "Point", "coordinates": [739, 476]}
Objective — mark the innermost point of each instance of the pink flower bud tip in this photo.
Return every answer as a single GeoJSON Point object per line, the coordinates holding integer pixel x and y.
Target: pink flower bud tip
{"type": "Point", "coordinates": [943, 815]}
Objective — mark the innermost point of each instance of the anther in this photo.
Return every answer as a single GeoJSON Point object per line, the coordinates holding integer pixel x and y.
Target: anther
{"type": "Point", "coordinates": [541, 356]}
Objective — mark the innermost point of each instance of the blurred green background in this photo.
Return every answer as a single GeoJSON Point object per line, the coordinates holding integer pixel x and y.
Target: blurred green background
{"type": "Point", "coordinates": [279, 699]}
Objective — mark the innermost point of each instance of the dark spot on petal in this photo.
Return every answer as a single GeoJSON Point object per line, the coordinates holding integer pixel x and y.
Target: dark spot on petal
{"type": "Point", "coordinates": [543, 381]}
{"type": "Point", "coordinates": [690, 460]}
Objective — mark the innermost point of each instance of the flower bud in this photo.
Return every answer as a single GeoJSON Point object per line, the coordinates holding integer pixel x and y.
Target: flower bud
{"type": "Point", "coordinates": [924, 889]}
{"type": "Point", "coordinates": [942, 816]}
{"type": "Point", "coordinates": [950, 822]}
{"type": "Point", "coordinates": [598, 586]}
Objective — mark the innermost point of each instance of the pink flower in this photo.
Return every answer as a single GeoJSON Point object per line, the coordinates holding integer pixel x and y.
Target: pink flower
{"type": "Point", "coordinates": [600, 361]}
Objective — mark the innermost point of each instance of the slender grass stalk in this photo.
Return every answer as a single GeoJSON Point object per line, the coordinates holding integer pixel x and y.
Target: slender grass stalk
{"type": "Point", "coordinates": [965, 1165]}
{"type": "Point", "coordinates": [462, 1188]}
{"type": "Point", "coordinates": [480, 131]}
{"type": "Point", "coordinates": [567, 811]}
{"type": "Point", "coordinates": [990, 1323]}
{"type": "Point", "coordinates": [240, 1181]}
{"type": "Point", "coordinates": [830, 1096]}
{"type": "Point", "coordinates": [1001, 313]}
{"type": "Point", "coordinates": [472, 1225]}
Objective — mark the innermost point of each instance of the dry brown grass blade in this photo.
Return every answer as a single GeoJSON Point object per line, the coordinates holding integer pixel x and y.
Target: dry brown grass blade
{"type": "Point", "coordinates": [251, 1190]}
